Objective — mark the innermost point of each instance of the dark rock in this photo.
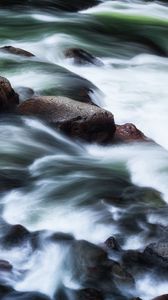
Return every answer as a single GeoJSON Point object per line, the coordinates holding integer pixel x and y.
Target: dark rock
{"type": "Point", "coordinates": [5, 290]}
{"type": "Point", "coordinates": [24, 93]}
{"type": "Point", "coordinates": [61, 237]}
{"type": "Point", "coordinates": [89, 294]}
{"type": "Point", "coordinates": [75, 119]}
{"type": "Point", "coordinates": [90, 266]}
{"type": "Point", "coordinates": [135, 261]}
{"type": "Point", "coordinates": [112, 244]}
{"type": "Point", "coordinates": [129, 133]}
{"type": "Point", "coordinates": [82, 94]}
{"type": "Point", "coordinates": [8, 98]}
{"type": "Point", "coordinates": [86, 262]}
{"type": "Point", "coordinates": [120, 275]}
{"type": "Point", "coordinates": [84, 294]}
{"type": "Point", "coordinates": [65, 5]}
{"type": "Point", "coordinates": [82, 57]}
{"type": "Point", "coordinates": [15, 235]}
{"type": "Point", "coordinates": [16, 51]}
{"type": "Point", "coordinates": [163, 297]}
{"type": "Point", "coordinates": [5, 266]}
{"type": "Point", "coordinates": [157, 253]}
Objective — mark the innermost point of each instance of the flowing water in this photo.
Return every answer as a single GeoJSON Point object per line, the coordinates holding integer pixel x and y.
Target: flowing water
{"type": "Point", "coordinates": [61, 185]}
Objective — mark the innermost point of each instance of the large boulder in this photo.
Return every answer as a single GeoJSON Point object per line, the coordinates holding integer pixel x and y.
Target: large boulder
{"type": "Point", "coordinates": [76, 119]}
{"type": "Point", "coordinates": [86, 262]}
{"type": "Point", "coordinates": [16, 51]}
{"type": "Point", "coordinates": [8, 98]}
{"type": "Point", "coordinates": [82, 57]}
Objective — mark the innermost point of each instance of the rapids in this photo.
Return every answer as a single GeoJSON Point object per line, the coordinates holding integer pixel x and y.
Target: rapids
{"type": "Point", "coordinates": [60, 185]}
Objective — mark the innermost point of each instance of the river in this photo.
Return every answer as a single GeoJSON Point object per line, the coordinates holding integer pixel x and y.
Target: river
{"type": "Point", "coordinates": [62, 185]}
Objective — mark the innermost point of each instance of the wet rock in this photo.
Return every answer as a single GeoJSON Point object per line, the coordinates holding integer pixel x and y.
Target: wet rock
{"type": "Point", "coordinates": [16, 51]}
{"type": "Point", "coordinates": [24, 93]}
{"type": "Point", "coordinates": [135, 261]}
{"type": "Point", "coordinates": [86, 262]}
{"type": "Point", "coordinates": [129, 133]}
{"type": "Point", "coordinates": [5, 266]}
{"type": "Point", "coordinates": [82, 57]}
{"type": "Point", "coordinates": [5, 290]}
{"type": "Point", "coordinates": [157, 253]}
{"type": "Point", "coordinates": [89, 294]}
{"type": "Point", "coordinates": [83, 294]}
{"type": "Point", "coordinates": [120, 275]}
{"type": "Point", "coordinates": [61, 237]}
{"type": "Point", "coordinates": [64, 5]}
{"type": "Point", "coordinates": [163, 297]}
{"type": "Point", "coordinates": [8, 98]}
{"type": "Point", "coordinates": [75, 119]}
{"type": "Point", "coordinates": [112, 244]}
{"type": "Point", "coordinates": [15, 235]}
{"type": "Point", "coordinates": [90, 266]}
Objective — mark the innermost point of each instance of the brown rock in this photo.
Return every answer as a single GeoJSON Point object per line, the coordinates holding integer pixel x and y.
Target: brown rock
{"type": "Point", "coordinates": [76, 119]}
{"type": "Point", "coordinates": [82, 57]}
{"type": "Point", "coordinates": [129, 133]}
{"type": "Point", "coordinates": [8, 98]}
{"type": "Point", "coordinates": [163, 297]}
{"type": "Point", "coordinates": [16, 51]}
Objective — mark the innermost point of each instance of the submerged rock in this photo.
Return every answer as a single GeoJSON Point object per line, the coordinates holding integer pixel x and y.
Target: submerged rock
{"type": "Point", "coordinates": [16, 51]}
{"type": "Point", "coordinates": [82, 57]}
{"type": "Point", "coordinates": [24, 93]}
{"type": "Point", "coordinates": [8, 98]}
{"type": "Point", "coordinates": [75, 119]}
{"type": "Point", "coordinates": [129, 133]}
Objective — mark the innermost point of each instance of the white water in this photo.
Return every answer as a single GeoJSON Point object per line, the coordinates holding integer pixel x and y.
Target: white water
{"type": "Point", "coordinates": [135, 90]}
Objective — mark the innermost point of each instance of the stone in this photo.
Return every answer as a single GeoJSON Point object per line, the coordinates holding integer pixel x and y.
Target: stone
{"type": "Point", "coordinates": [16, 51]}
{"type": "Point", "coordinates": [157, 253]}
{"type": "Point", "coordinates": [75, 119]}
{"type": "Point", "coordinates": [129, 133]}
{"type": "Point", "coordinates": [112, 244]}
{"type": "Point", "coordinates": [163, 297]}
{"type": "Point", "coordinates": [82, 57]}
{"type": "Point", "coordinates": [8, 98]}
